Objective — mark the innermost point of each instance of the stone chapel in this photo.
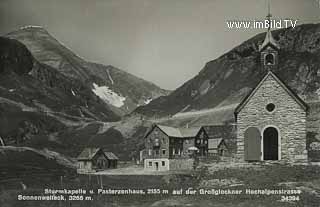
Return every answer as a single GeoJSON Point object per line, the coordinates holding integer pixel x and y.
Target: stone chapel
{"type": "Point", "coordinates": [271, 120]}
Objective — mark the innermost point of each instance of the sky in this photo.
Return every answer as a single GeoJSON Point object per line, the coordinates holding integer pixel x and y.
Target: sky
{"type": "Point", "coordinates": [166, 42]}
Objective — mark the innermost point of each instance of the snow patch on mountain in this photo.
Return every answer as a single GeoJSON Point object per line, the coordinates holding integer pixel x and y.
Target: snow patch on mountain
{"type": "Point", "coordinates": [205, 111]}
{"type": "Point", "coordinates": [108, 95]}
{"type": "Point", "coordinates": [147, 101]}
{"type": "Point", "coordinates": [110, 78]}
{"type": "Point", "coordinates": [73, 93]}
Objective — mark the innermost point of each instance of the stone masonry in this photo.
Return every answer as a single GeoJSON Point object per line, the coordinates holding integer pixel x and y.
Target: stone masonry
{"type": "Point", "coordinates": [288, 117]}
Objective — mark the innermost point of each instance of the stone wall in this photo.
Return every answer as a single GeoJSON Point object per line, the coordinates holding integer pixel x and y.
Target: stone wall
{"type": "Point", "coordinates": [288, 117]}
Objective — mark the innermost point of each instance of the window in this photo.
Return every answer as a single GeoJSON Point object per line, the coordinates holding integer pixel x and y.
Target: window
{"type": "Point", "coordinates": [150, 152]}
{"type": "Point", "coordinates": [163, 163]}
{"type": "Point", "coordinates": [163, 151]}
{"type": "Point", "coordinates": [156, 142]}
{"type": "Point", "coordinates": [176, 151]}
{"type": "Point", "coordinates": [150, 164]}
{"type": "Point", "coordinates": [198, 141]}
{"type": "Point", "coordinates": [157, 152]}
{"type": "Point", "coordinates": [205, 141]}
{"type": "Point", "coordinates": [270, 107]}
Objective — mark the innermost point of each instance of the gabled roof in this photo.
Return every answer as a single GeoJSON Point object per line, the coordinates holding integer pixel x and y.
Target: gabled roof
{"type": "Point", "coordinates": [189, 132]}
{"type": "Point", "coordinates": [88, 153]}
{"type": "Point", "coordinates": [214, 143]}
{"type": "Point", "coordinates": [170, 131]}
{"type": "Point", "coordinates": [269, 40]}
{"type": "Point", "coordinates": [303, 105]}
{"type": "Point", "coordinates": [111, 156]}
{"type": "Point", "coordinates": [177, 132]}
{"type": "Point", "coordinates": [220, 131]}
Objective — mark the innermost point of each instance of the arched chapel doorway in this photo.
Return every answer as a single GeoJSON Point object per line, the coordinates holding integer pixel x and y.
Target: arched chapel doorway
{"type": "Point", "coordinates": [270, 144]}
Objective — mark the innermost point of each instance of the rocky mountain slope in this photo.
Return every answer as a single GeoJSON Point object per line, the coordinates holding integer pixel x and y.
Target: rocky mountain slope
{"type": "Point", "coordinates": [121, 91]}
{"type": "Point", "coordinates": [51, 98]}
{"type": "Point", "coordinates": [225, 81]}
{"type": "Point", "coordinates": [37, 101]}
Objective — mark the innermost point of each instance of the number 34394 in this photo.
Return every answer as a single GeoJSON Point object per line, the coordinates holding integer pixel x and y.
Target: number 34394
{"type": "Point", "coordinates": [290, 198]}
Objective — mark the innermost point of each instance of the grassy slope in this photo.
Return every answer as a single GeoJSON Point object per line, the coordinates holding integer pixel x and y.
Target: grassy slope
{"type": "Point", "coordinates": [19, 162]}
{"type": "Point", "coordinates": [272, 177]}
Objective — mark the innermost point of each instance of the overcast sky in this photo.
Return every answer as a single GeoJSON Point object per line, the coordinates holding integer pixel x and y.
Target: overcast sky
{"type": "Point", "coordinates": [164, 41]}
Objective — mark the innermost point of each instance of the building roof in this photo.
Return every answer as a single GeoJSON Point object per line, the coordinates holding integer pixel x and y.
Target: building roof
{"type": "Point", "coordinates": [281, 83]}
{"type": "Point", "coordinates": [177, 132]}
{"type": "Point", "coordinates": [189, 132]}
{"type": "Point", "coordinates": [220, 131]}
{"type": "Point", "coordinates": [170, 131]}
{"type": "Point", "coordinates": [214, 143]}
{"type": "Point", "coordinates": [111, 156]}
{"type": "Point", "coordinates": [269, 40]}
{"type": "Point", "coordinates": [88, 153]}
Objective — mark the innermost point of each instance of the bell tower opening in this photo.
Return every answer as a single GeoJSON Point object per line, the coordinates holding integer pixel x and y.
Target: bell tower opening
{"type": "Point", "coordinates": [269, 48]}
{"type": "Point", "coordinates": [269, 59]}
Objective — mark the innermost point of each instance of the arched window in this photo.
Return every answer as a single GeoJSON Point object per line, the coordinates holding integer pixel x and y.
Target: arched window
{"type": "Point", "coordinates": [269, 59]}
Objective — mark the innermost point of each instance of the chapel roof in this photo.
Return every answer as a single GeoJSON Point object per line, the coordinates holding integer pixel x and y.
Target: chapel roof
{"type": "Point", "coordinates": [281, 83]}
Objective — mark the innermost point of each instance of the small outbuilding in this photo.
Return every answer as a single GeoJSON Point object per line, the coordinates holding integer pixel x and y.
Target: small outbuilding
{"type": "Point", "coordinates": [95, 159]}
{"type": "Point", "coordinates": [217, 147]}
{"type": "Point", "coordinates": [112, 160]}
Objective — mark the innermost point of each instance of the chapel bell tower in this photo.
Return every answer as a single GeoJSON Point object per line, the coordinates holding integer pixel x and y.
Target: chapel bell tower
{"type": "Point", "coordinates": [269, 48]}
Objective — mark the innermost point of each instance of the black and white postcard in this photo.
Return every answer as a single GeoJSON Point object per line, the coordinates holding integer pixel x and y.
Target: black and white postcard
{"type": "Point", "coordinates": [159, 103]}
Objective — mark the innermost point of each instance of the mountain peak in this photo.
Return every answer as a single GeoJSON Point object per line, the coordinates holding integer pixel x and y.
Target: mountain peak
{"type": "Point", "coordinates": [31, 27]}
{"type": "Point", "coordinates": [114, 84]}
{"type": "Point", "coordinates": [28, 30]}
